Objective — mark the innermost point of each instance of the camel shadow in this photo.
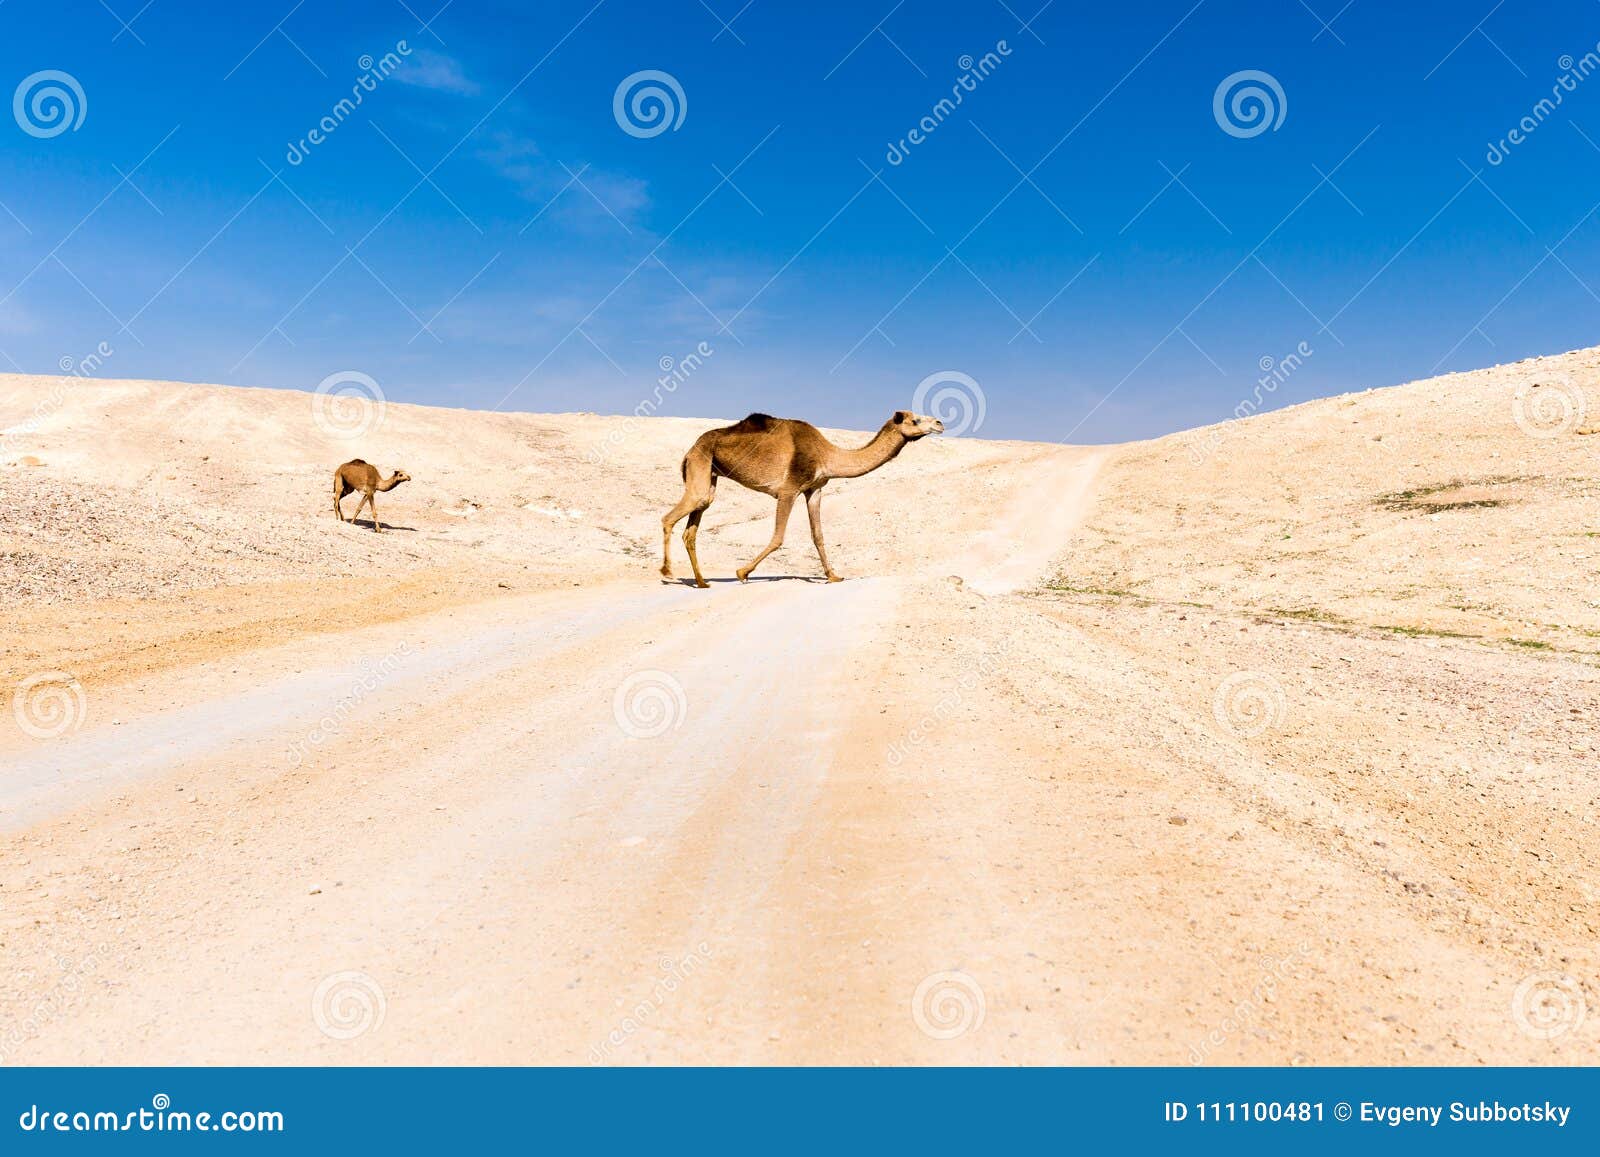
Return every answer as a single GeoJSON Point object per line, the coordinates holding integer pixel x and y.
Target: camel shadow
{"type": "Point", "coordinates": [762, 578]}
{"type": "Point", "coordinates": [367, 524]}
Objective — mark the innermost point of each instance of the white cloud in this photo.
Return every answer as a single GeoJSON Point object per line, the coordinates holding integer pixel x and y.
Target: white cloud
{"type": "Point", "coordinates": [574, 191]}
{"type": "Point", "coordinates": [436, 71]}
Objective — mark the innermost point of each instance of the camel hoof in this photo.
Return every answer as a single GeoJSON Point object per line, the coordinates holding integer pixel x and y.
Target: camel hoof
{"type": "Point", "coordinates": [833, 578]}
{"type": "Point", "coordinates": [743, 575]}
{"type": "Point", "coordinates": [702, 584]}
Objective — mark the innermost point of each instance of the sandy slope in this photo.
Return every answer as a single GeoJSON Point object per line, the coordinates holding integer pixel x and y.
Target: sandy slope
{"type": "Point", "coordinates": [1150, 782]}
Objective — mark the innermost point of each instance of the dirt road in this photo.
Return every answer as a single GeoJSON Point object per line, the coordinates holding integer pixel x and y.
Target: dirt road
{"type": "Point", "coordinates": [557, 793]}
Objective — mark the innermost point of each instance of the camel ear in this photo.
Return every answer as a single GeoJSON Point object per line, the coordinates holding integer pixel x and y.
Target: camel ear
{"type": "Point", "coordinates": [901, 416]}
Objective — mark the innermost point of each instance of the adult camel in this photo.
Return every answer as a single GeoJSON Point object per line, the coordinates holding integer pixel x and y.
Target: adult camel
{"type": "Point", "coordinates": [784, 458]}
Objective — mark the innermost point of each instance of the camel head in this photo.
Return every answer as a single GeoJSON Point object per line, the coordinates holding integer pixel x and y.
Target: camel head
{"type": "Point", "coordinates": [914, 426]}
{"type": "Point", "coordinates": [398, 477]}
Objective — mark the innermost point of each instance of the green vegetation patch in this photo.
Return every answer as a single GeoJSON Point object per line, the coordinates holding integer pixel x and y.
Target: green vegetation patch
{"type": "Point", "coordinates": [1457, 494]}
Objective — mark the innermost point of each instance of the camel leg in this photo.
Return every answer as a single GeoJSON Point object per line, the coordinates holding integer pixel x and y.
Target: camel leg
{"type": "Point", "coordinates": [814, 509]}
{"type": "Point", "coordinates": [372, 509]}
{"type": "Point", "coordinates": [338, 493]}
{"type": "Point", "coordinates": [698, 489]}
{"type": "Point", "coordinates": [689, 533]}
{"type": "Point", "coordinates": [360, 506]}
{"type": "Point", "coordinates": [785, 505]}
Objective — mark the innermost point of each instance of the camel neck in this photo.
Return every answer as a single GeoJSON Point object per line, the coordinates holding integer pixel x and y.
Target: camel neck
{"type": "Point", "coordinates": [853, 463]}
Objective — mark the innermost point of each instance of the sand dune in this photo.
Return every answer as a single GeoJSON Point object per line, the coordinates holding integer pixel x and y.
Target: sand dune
{"type": "Point", "coordinates": [1266, 743]}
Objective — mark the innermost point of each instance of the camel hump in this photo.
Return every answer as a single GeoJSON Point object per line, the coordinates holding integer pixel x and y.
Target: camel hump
{"type": "Point", "coordinates": [755, 424]}
{"type": "Point", "coordinates": [357, 462]}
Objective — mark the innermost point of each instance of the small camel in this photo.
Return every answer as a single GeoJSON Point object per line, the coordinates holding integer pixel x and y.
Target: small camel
{"type": "Point", "coordinates": [357, 476]}
{"type": "Point", "coordinates": [784, 458]}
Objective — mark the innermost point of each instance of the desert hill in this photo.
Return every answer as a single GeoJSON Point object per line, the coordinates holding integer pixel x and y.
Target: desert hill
{"type": "Point", "coordinates": [1271, 742]}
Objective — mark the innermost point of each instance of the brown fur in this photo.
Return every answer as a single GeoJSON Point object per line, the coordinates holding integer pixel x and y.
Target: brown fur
{"type": "Point", "coordinates": [358, 477]}
{"type": "Point", "coordinates": [784, 458]}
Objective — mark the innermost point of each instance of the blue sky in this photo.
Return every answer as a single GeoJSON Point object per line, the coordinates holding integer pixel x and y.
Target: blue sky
{"type": "Point", "coordinates": [1081, 235]}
